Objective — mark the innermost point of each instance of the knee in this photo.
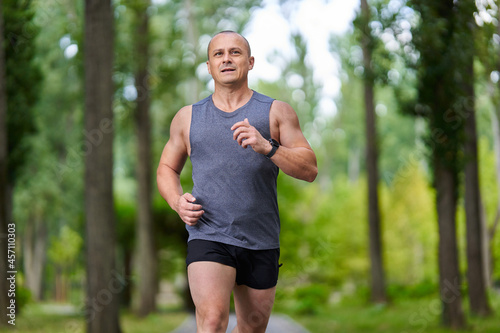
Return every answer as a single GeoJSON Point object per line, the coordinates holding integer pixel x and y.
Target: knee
{"type": "Point", "coordinates": [212, 321]}
{"type": "Point", "coordinates": [253, 322]}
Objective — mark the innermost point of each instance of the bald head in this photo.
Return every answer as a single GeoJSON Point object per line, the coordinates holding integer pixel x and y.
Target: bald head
{"type": "Point", "coordinates": [229, 32]}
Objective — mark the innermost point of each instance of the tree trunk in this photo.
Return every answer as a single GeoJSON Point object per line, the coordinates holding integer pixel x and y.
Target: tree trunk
{"type": "Point", "coordinates": [449, 274]}
{"type": "Point", "coordinates": [441, 90]}
{"type": "Point", "coordinates": [4, 221]}
{"type": "Point", "coordinates": [147, 261]}
{"type": "Point", "coordinates": [103, 284]}
{"type": "Point", "coordinates": [378, 293]}
{"type": "Point", "coordinates": [35, 255]}
{"type": "Point", "coordinates": [476, 276]}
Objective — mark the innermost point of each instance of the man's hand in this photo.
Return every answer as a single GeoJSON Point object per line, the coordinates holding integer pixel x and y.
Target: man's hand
{"type": "Point", "coordinates": [247, 135]}
{"type": "Point", "coordinates": [188, 211]}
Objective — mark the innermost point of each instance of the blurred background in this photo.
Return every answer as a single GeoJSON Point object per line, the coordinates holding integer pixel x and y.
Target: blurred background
{"type": "Point", "coordinates": [399, 99]}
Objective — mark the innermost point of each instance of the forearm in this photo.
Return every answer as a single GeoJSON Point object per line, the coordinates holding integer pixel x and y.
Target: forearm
{"type": "Point", "coordinates": [169, 185]}
{"type": "Point", "coordinates": [298, 162]}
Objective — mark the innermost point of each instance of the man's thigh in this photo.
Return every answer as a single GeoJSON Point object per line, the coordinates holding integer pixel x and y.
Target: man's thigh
{"type": "Point", "coordinates": [253, 308]}
{"type": "Point", "coordinates": [211, 284]}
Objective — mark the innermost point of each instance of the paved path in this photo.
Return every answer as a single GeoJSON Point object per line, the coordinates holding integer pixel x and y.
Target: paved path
{"type": "Point", "coordinates": [278, 323]}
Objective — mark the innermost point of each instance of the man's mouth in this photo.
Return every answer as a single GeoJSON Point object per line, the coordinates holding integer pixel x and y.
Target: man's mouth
{"type": "Point", "coordinates": [225, 70]}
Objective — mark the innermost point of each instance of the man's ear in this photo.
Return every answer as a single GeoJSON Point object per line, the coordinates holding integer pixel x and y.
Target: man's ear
{"type": "Point", "coordinates": [252, 62]}
{"type": "Point", "coordinates": [208, 67]}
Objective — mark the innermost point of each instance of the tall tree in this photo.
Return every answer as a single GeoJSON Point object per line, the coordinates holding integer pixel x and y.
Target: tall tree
{"type": "Point", "coordinates": [53, 160]}
{"type": "Point", "coordinates": [439, 43]}
{"type": "Point", "coordinates": [20, 70]}
{"type": "Point", "coordinates": [147, 261]}
{"type": "Point", "coordinates": [103, 285]}
{"type": "Point", "coordinates": [378, 293]}
{"type": "Point", "coordinates": [476, 274]}
{"type": "Point", "coordinates": [4, 299]}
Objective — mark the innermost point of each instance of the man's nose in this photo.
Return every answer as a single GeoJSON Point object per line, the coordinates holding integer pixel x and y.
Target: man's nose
{"type": "Point", "coordinates": [226, 58]}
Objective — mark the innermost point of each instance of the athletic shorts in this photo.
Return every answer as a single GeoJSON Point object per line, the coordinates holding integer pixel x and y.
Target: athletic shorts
{"type": "Point", "coordinates": [257, 269]}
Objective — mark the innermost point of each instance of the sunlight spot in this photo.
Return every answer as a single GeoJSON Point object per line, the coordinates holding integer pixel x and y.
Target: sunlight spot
{"type": "Point", "coordinates": [71, 51]}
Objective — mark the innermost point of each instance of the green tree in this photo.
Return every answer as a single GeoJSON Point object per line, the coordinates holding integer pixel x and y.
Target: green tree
{"type": "Point", "coordinates": [102, 289]}
{"type": "Point", "coordinates": [22, 81]}
{"type": "Point", "coordinates": [146, 248]}
{"type": "Point", "coordinates": [438, 41]}
{"type": "Point", "coordinates": [53, 171]}
{"type": "Point", "coordinates": [22, 71]}
{"type": "Point", "coordinates": [476, 274]}
{"type": "Point", "coordinates": [378, 293]}
{"type": "Point", "coordinates": [63, 253]}
{"type": "Point", "coordinates": [347, 135]}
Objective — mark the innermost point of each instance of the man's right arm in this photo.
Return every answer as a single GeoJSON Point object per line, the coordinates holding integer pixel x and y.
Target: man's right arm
{"type": "Point", "coordinates": [172, 161]}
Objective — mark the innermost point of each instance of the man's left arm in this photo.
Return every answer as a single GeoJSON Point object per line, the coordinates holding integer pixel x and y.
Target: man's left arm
{"type": "Point", "coordinates": [295, 156]}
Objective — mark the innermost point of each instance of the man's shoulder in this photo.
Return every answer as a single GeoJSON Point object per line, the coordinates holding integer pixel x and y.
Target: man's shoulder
{"type": "Point", "coordinates": [281, 111]}
{"type": "Point", "coordinates": [281, 106]}
{"type": "Point", "coordinates": [183, 116]}
{"type": "Point", "coordinates": [184, 111]}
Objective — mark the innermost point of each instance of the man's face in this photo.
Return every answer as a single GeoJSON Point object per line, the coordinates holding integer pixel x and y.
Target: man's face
{"type": "Point", "coordinates": [228, 59]}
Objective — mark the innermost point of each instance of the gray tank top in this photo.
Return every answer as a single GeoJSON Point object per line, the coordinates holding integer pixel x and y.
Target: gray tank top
{"type": "Point", "coordinates": [235, 186]}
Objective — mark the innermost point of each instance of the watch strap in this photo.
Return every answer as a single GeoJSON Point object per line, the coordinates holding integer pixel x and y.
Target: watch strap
{"type": "Point", "coordinates": [274, 147]}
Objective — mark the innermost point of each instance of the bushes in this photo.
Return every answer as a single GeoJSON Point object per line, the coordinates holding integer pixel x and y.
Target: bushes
{"type": "Point", "coordinates": [311, 299]}
{"type": "Point", "coordinates": [23, 297]}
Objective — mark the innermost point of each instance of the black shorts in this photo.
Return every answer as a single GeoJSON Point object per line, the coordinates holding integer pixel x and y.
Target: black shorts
{"type": "Point", "coordinates": [257, 269]}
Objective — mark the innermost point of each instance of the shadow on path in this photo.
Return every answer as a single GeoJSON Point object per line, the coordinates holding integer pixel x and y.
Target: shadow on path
{"type": "Point", "coordinates": [278, 323]}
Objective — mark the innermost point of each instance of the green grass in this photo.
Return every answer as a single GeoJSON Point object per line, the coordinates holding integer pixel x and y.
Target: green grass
{"type": "Point", "coordinates": [350, 316]}
{"type": "Point", "coordinates": [402, 316]}
{"type": "Point", "coordinates": [42, 318]}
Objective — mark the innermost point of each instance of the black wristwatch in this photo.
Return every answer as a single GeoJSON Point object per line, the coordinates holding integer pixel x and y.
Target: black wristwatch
{"type": "Point", "coordinates": [275, 145]}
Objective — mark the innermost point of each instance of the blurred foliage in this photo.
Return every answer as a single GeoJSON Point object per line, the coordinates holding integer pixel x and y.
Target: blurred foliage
{"type": "Point", "coordinates": [324, 237]}
{"type": "Point", "coordinates": [312, 299]}
{"type": "Point", "coordinates": [22, 70]}
{"type": "Point", "coordinates": [65, 248]}
{"type": "Point", "coordinates": [23, 298]}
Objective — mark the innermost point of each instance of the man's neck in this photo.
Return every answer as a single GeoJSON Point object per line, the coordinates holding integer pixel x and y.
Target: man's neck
{"type": "Point", "coordinates": [230, 99]}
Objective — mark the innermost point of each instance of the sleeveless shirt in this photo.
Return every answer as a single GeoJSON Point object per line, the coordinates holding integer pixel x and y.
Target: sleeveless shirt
{"type": "Point", "coordinates": [235, 186]}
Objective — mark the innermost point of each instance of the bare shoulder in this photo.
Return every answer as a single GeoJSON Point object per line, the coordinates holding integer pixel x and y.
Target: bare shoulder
{"type": "Point", "coordinates": [282, 115]}
{"type": "Point", "coordinates": [182, 122]}
{"type": "Point", "coordinates": [281, 109]}
{"type": "Point", "coordinates": [179, 128]}
{"type": "Point", "coordinates": [182, 118]}
{"type": "Point", "coordinates": [285, 127]}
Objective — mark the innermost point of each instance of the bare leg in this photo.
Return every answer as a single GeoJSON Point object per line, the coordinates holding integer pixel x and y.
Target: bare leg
{"type": "Point", "coordinates": [211, 284]}
{"type": "Point", "coordinates": [253, 308]}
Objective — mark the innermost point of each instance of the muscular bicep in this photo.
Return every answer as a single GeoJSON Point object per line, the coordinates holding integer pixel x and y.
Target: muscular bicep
{"type": "Point", "coordinates": [176, 150]}
{"type": "Point", "coordinates": [285, 126]}
{"type": "Point", "coordinates": [173, 157]}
